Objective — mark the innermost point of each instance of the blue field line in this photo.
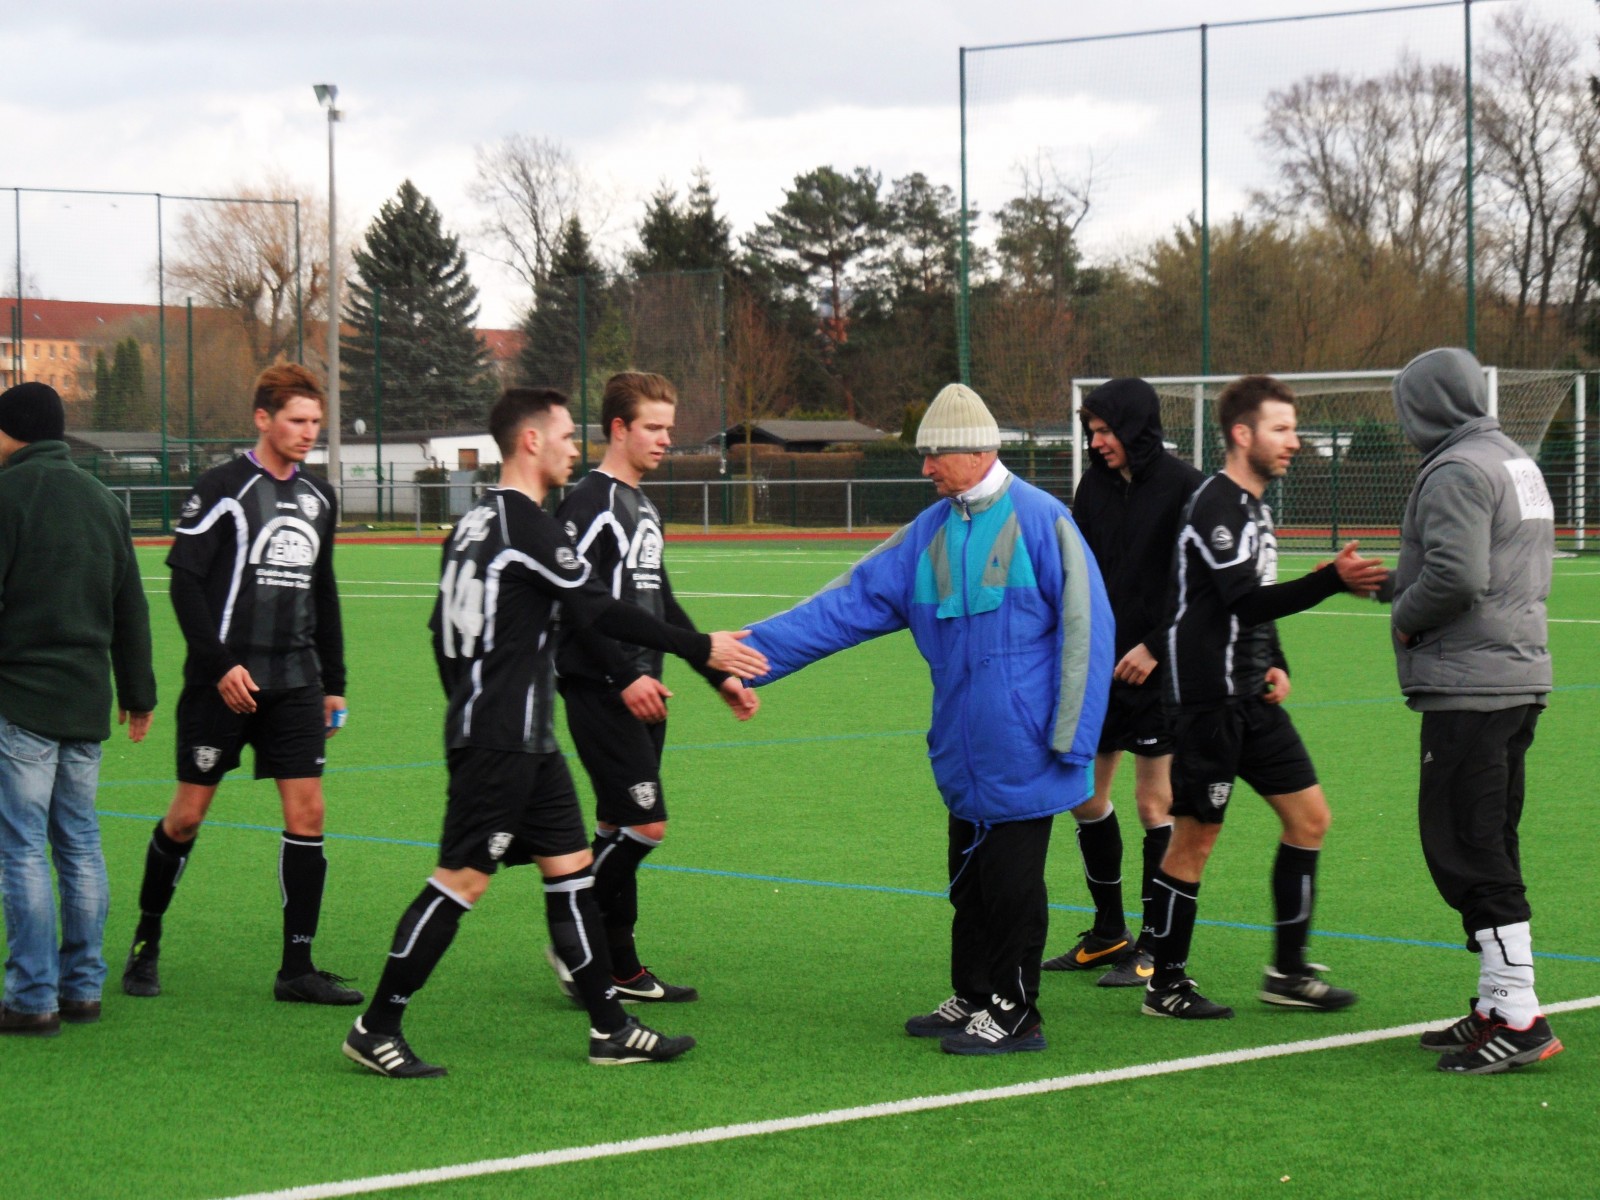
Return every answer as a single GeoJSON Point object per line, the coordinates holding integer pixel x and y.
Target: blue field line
{"type": "Point", "coordinates": [877, 888]}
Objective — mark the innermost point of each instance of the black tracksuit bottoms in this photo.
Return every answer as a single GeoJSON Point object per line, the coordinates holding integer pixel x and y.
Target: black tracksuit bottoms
{"type": "Point", "coordinates": [998, 891]}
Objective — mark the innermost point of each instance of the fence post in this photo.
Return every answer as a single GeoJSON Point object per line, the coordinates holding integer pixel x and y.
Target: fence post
{"type": "Point", "coordinates": [849, 506]}
{"type": "Point", "coordinates": [705, 506]}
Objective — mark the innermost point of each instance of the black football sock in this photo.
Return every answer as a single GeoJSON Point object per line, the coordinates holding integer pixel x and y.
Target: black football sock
{"type": "Point", "coordinates": [617, 856]}
{"type": "Point", "coordinates": [425, 932]}
{"type": "Point", "coordinates": [302, 869]}
{"type": "Point", "coordinates": [1169, 927]}
{"type": "Point", "coordinates": [1294, 892]}
{"type": "Point", "coordinates": [164, 861]}
{"type": "Point", "coordinates": [1156, 842]}
{"type": "Point", "coordinates": [577, 935]}
{"type": "Point", "coordinates": [1100, 844]}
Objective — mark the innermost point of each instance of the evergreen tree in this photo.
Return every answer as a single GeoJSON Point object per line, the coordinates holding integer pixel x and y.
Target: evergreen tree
{"type": "Point", "coordinates": [550, 329]}
{"type": "Point", "coordinates": [103, 399]}
{"type": "Point", "coordinates": [413, 303]}
{"type": "Point", "coordinates": [127, 408]}
{"type": "Point", "coordinates": [691, 236]}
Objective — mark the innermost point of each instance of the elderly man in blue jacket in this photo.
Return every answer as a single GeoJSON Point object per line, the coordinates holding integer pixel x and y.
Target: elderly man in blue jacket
{"type": "Point", "coordinates": [1005, 601]}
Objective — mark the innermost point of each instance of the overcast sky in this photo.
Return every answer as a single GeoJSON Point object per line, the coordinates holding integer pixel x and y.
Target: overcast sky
{"type": "Point", "coordinates": [192, 97]}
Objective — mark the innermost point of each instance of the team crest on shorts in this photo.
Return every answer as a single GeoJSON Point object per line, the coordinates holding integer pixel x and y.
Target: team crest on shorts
{"type": "Point", "coordinates": [206, 757]}
{"type": "Point", "coordinates": [1222, 538]}
{"type": "Point", "coordinates": [310, 505]}
{"type": "Point", "coordinates": [644, 794]}
{"type": "Point", "coordinates": [1218, 793]}
{"type": "Point", "coordinates": [498, 845]}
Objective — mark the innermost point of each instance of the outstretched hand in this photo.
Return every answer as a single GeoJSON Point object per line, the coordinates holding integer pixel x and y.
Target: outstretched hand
{"type": "Point", "coordinates": [1363, 576]}
{"type": "Point", "coordinates": [744, 701]}
{"type": "Point", "coordinates": [729, 654]}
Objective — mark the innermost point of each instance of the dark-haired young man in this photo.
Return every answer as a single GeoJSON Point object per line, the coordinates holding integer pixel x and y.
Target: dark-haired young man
{"type": "Point", "coordinates": [255, 597]}
{"type": "Point", "coordinates": [508, 568]}
{"type": "Point", "coordinates": [1128, 507]}
{"type": "Point", "coordinates": [615, 700]}
{"type": "Point", "coordinates": [1227, 680]}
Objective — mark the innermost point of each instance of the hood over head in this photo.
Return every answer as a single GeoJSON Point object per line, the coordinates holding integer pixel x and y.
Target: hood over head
{"type": "Point", "coordinates": [1437, 393]}
{"type": "Point", "coordinates": [1133, 411]}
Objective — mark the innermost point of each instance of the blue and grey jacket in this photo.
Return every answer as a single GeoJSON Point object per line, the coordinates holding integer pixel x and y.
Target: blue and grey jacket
{"type": "Point", "coordinates": [1005, 602]}
{"type": "Point", "coordinates": [1476, 546]}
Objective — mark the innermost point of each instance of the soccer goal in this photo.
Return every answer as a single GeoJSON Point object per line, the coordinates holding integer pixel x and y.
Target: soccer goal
{"type": "Point", "coordinates": [1355, 467]}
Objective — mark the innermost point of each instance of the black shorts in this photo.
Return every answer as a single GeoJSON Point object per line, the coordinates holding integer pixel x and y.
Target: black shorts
{"type": "Point", "coordinates": [1247, 739]}
{"type": "Point", "coordinates": [506, 808]}
{"type": "Point", "coordinates": [288, 732]}
{"type": "Point", "coordinates": [1136, 720]}
{"type": "Point", "coordinates": [621, 753]}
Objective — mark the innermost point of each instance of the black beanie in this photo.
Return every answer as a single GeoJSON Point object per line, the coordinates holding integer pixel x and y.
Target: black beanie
{"type": "Point", "coordinates": [32, 412]}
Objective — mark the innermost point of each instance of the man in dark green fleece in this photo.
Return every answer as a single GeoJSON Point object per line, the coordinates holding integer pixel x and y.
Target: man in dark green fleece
{"type": "Point", "coordinates": [71, 603]}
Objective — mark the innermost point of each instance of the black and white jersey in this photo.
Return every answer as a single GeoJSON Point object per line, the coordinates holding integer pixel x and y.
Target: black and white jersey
{"type": "Point", "coordinates": [507, 574]}
{"type": "Point", "coordinates": [253, 582]}
{"type": "Point", "coordinates": [618, 532]}
{"type": "Point", "coordinates": [1226, 549]}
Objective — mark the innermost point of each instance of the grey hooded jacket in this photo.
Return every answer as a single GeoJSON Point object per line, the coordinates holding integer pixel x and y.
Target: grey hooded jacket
{"type": "Point", "coordinates": [1476, 546]}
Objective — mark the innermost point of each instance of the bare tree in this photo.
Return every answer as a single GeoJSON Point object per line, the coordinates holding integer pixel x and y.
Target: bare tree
{"type": "Point", "coordinates": [531, 187]}
{"type": "Point", "coordinates": [243, 256]}
{"type": "Point", "coordinates": [1539, 129]}
{"type": "Point", "coordinates": [1380, 162]}
{"type": "Point", "coordinates": [760, 373]}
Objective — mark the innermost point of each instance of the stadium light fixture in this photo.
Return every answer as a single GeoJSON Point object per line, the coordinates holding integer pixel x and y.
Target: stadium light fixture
{"type": "Point", "coordinates": [327, 95]}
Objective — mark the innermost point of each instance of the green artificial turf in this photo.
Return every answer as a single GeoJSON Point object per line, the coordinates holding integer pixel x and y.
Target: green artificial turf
{"type": "Point", "coordinates": [801, 890]}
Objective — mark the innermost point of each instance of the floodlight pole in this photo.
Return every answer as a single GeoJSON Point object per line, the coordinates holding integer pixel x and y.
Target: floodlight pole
{"type": "Point", "coordinates": [327, 94]}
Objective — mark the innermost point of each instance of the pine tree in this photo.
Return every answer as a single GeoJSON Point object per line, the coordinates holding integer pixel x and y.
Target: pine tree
{"type": "Point", "coordinates": [103, 398]}
{"type": "Point", "coordinates": [550, 351]}
{"type": "Point", "coordinates": [414, 305]}
{"type": "Point", "coordinates": [126, 407]}
{"type": "Point", "coordinates": [691, 236]}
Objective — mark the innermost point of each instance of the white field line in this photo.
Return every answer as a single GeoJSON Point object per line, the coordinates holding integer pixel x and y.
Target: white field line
{"type": "Point", "coordinates": [865, 1112]}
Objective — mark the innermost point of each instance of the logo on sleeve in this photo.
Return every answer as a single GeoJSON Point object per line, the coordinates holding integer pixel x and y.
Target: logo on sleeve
{"type": "Point", "coordinates": [1222, 539]}
{"type": "Point", "coordinates": [1532, 495]}
{"type": "Point", "coordinates": [566, 558]}
{"type": "Point", "coordinates": [572, 530]}
{"type": "Point", "coordinates": [191, 506]}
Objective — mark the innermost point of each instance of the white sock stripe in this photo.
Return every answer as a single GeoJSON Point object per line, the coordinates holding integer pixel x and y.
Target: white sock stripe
{"type": "Point", "coordinates": [577, 921]}
{"type": "Point", "coordinates": [451, 892]}
{"type": "Point", "coordinates": [570, 885]}
{"type": "Point", "coordinates": [416, 930]}
{"type": "Point", "coordinates": [300, 840]}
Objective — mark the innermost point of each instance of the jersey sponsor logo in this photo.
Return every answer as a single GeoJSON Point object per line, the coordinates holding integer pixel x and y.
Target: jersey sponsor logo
{"type": "Point", "coordinates": [1222, 539]}
{"type": "Point", "coordinates": [206, 757]}
{"type": "Point", "coordinates": [285, 542]}
{"type": "Point", "coordinates": [644, 551]}
{"type": "Point", "coordinates": [1218, 793]}
{"type": "Point", "coordinates": [572, 530]}
{"type": "Point", "coordinates": [191, 506]}
{"type": "Point", "coordinates": [566, 558]}
{"type": "Point", "coordinates": [644, 794]}
{"type": "Point", "coordinates": [1532, 495]}
{"type": "Point", "coordinates": [310, 505]}
{"type": "Point", "coordinates": [498, 845]}
{"type": "Point", "coordinates": [287, 506]}
{"type": "Point", "coordinates": [1145, 741]}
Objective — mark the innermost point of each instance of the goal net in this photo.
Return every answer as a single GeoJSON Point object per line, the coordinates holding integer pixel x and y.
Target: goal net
{"type": "Point", "coordinates": [1355, 467]}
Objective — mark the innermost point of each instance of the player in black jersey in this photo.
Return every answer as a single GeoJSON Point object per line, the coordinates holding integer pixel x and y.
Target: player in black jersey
{"type": "Point", "coordinates": [1226, 682]}
{"type": "Point", "coordinates": [615, 700]}
{"type": "Point", "coordinates": [508, 570]}
{"type": "Point", "coordinates": [255, 597]}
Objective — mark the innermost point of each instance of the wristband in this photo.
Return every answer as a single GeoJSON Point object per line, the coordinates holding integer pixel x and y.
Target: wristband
{"type": "Point", "coordinates": [337, 717]}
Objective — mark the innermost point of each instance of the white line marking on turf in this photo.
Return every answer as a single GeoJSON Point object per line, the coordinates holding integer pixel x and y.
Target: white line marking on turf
{"type": "Point", "coordinates": [865, 1112]}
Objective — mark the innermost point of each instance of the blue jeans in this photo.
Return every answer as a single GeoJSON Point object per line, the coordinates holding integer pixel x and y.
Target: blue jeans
{"type": "Point", "coordinates": [47, 799]}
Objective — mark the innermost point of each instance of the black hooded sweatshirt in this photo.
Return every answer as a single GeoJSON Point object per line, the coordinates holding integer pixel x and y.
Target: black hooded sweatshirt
{"type": "Point", "coordinates": [1132, 525]}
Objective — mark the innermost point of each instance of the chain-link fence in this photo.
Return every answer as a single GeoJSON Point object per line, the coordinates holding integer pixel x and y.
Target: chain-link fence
{"type": "Point", "coordinates": [151, 314]}
{"type": "Point", "coordinates": [1282, 195]}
